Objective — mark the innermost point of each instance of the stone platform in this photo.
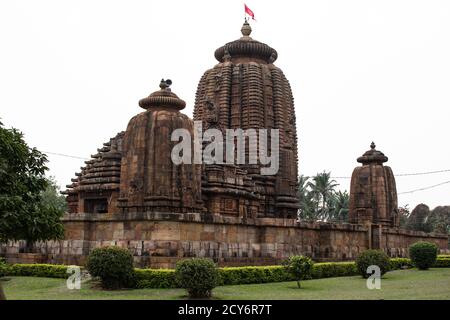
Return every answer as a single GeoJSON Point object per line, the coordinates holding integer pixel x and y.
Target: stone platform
{"type": "Point", "coordinates": [159, 240]}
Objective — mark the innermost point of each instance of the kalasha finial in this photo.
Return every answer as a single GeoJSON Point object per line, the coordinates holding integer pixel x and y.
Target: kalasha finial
{"type": "Point", "coordinates": [372, 156]}
{"type": "Point", "coordinates": [165, 84]}
{"type": "Point", "coordinates": [246, 29]}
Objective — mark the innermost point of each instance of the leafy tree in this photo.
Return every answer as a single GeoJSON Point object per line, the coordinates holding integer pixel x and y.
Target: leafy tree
{"type": "Point", "coordinates": [307, 202]}
{"type": "Point", "coordinates": [52, 197]}
{"type": "Point", "coordinates": [422, 219]}
{"type": "Point", "coordinates": [403, 213]}
{"type": "Point", "coordinates": [439, 219]}
{"type": "Point", "coordinates": [300, 267]}
{"type": "Point", "coordinates": [418, 219]}
{"type": "Point", "coordinates": [339, 204]}
{"type": "Point", "coordinates": [25, 212]}
{"type": "Point", "coordinates": [311, 196]}
{"type": "Point", "coordinates": [322, 187]}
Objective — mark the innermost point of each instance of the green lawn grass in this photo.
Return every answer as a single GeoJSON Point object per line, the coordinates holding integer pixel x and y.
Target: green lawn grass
{"type": "Point", "coordinates": [400, 284]}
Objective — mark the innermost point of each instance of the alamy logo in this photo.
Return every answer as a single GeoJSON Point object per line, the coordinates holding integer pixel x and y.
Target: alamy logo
{"type": "Point", "coordinates": [374, 280]}
{"type": "Point", "coordinates": [234, 146]}
{"type": "Point", "coordinates": [74, 280]}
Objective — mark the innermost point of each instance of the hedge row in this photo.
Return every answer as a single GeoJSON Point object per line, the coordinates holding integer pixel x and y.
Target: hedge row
{"type": "Point", "coordinates": [155, 278]}
{"type": "Point", "coordinates": [248, 275]}
{"type": "Point", "coordinates": [165, 278]}
{"type": "Point", "coordinates": [37, 270]}
{"type": "Point", "coordinates": [400, 263]}
{"type": "Point", "coordinates": [443, 261]}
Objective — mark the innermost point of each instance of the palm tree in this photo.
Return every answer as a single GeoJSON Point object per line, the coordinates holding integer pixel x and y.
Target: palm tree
{"type": "Point", "coordinates": [307, 202]}
{"type": "Point", "coordinates": [340, 203]}
{"type": "Point", "coordinates": [322, 187]}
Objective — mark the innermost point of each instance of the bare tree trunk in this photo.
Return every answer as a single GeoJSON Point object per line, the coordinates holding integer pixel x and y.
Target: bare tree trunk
{"type": "Point", "coordinates": [2, 293]}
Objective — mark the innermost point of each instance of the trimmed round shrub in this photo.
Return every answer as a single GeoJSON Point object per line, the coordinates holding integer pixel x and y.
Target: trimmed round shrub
{"type": "Point", "coordinates": [423, 254]}
{"type": "Point", "coordinates": [372, 258]}
{"type": "Point", "coordinates": [113, 265]}
{"type": "Point", "coordinates": [300, 267]}
{"type": "Point", "coordinates": [198, 276]}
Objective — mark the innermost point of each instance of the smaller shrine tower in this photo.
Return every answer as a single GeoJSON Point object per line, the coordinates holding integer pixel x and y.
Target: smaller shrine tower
{"type": "Point", "coordinates": [373, 194]}
{"type": "Point", "coordinates": [149, 180]}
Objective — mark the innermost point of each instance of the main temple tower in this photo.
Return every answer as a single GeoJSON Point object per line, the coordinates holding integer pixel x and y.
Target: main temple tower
{"type": "Point", "coordinates": [245, 90]}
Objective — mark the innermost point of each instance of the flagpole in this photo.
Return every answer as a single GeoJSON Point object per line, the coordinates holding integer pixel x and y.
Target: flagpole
{"type": "Point", "coordinates": [245, 13]}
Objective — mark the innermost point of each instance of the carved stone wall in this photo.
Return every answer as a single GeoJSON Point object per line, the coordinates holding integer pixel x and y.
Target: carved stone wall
{"type": "Point", "coordinates": [159, 240]}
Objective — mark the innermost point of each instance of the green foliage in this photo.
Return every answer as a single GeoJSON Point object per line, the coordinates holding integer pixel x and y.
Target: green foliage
{"type": "Point", "coordinates": [442, 261]}
{"type": "Point", "coordinates": [418, 219]}
{"type": "Point", "coordinates": [423, 254]}
{"type": "Point", "coordinates": [37, 270]}
{"type": "Point", "coordinates": [23, 214]}
{"type": "Point", "coordinates": [113, 265]}
{"type": "Point", "coordinates": [372, 257]}
{"type": "Point", "coordinates": [333, 269]}
{"type": "Point", "coordinates": [149, 278]}
{"type": "Point", "coordinates": [155, 278]}
{"type": "Point", "coordinates": [322, 188]}
{"type": "Point", "coordinates": [257, 274]}
{"type": "Point", "coordinates": [300, 267]}
{"type": "Point", "coordinates": [439, 220]}
{"type": "Point", "coordinates": [338, 207]}
{"type": "Point", "coordinates": [307, 201]}
{"type": "Point", "coordinates": [399, 263]}
{"type": "Point", "coordinates": [51, 197]}
{"type": "Point", "coordinates": [319, 200]}
{"type": "Point", "coordinates": [3, 267]}
{"type": "Point", "coordinates": [403, 213]}
{"type": "Point", "coordinates": [198, 276]}
{"type": "Point", "coordinates": [426, 220]}
{"type": "Point", "coordinates": [165, 278]}
{"type": "Point", "coordinates": [404, 284]}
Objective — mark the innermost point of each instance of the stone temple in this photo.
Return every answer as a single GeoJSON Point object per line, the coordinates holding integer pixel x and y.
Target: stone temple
{"type": "Point", "coordinates": [131, 194]}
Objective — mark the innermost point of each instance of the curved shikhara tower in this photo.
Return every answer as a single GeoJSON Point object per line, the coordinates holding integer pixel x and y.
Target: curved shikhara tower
{"type": "Point", "coordinates": [247, 91]}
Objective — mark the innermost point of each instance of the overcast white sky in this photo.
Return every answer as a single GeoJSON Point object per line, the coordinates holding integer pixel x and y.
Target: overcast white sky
{"type": "Point", "coordinates": [72, 72]}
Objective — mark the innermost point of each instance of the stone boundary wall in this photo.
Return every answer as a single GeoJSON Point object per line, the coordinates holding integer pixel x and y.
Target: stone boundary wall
{"type": "Point", "coordinates": [159, 240]}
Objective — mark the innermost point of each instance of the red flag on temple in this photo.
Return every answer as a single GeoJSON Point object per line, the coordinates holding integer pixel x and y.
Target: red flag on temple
{"type": "Point", "coordinates": [249, 12]}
